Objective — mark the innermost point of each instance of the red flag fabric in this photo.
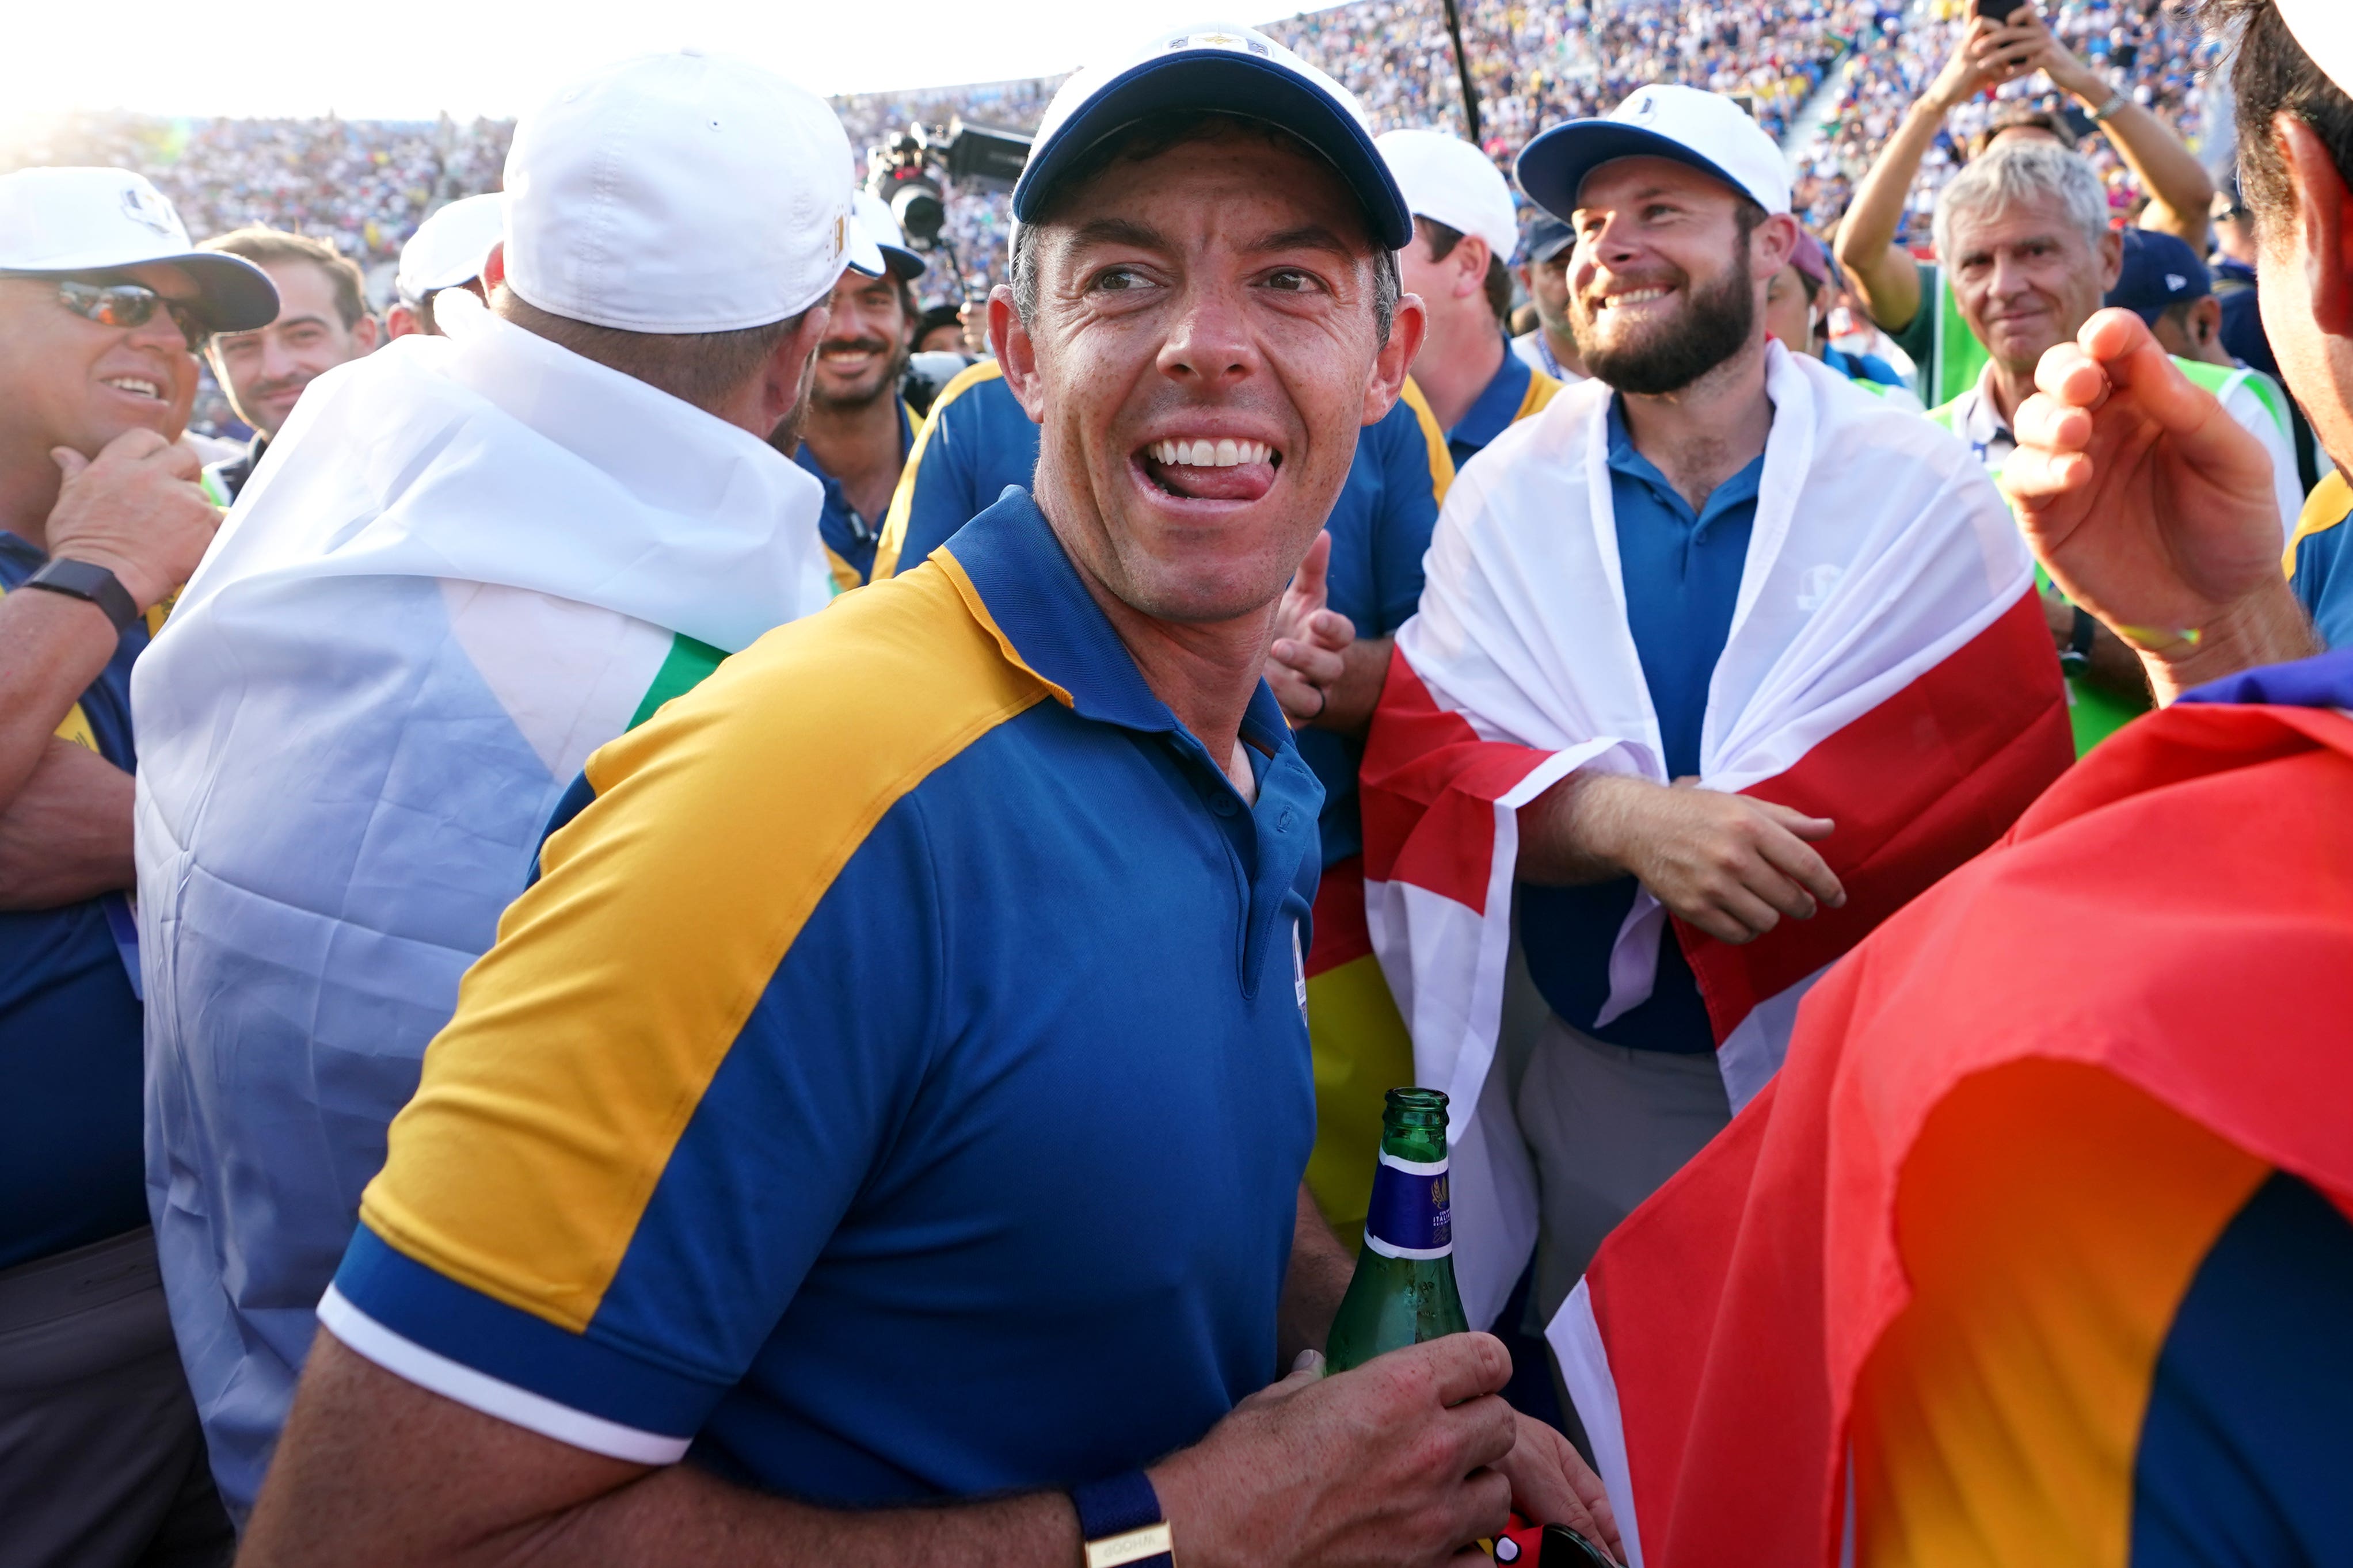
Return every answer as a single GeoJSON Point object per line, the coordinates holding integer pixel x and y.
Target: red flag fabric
{"type": "Point", "coordinates": [2176, 914]}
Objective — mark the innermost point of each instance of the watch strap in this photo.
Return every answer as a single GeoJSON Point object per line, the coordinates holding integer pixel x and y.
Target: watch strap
{"type": "Point", "coordinates": [2079, 642]}
{"type": "Point", "coordinates": [1121, 1524]}
{"type": "Point", "coordinates": [2116, 101]}
{"type": "Point", "coordinates": [93, 583]}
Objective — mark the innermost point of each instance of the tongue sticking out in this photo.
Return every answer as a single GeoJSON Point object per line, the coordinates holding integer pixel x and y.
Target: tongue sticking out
{"type": "Point", "coordinates": [1239, 481]}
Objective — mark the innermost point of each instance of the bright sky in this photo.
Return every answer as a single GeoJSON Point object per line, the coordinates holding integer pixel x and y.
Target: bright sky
{"type": "Point", "coordinates": [366, 61]}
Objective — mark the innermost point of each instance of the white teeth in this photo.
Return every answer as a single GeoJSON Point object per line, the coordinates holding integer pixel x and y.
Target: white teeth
{"type": "Point", "coordinates": [1204, 454]}
{"type": "Point", "coordinates": [133, 384]}
{"type": "Point", "coordinates": [1636, 296]}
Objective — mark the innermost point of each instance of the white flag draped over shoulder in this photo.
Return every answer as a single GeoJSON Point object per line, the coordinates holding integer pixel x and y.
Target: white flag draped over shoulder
{"type": "Point", "coordinates": [1887, 666]}
{"type": "Point", "coordinates": [463, 565]}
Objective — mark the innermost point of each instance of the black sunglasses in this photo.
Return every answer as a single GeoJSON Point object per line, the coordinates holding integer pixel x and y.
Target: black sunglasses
{"type": "Point", "coordinates": [127, 305]}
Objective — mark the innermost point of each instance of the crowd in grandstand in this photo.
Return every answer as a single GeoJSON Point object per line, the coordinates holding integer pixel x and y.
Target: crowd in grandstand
{"type": "Point", "coordinates": [366, 185]}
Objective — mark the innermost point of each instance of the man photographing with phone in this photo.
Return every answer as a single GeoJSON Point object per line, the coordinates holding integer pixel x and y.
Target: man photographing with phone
{"type": "Point", "coordinates": [2002, 41]}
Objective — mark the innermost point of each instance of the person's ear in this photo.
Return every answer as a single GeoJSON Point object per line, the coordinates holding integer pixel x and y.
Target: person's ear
{"type": "Point", "coordinates": [2322, 224]}
{"type": "Point", "coordinates": [1409, 325]}
{"type": "Point", "coordinates": [2205, 319]}
{"type": "Point", "coordinates": [1017, 353]}
{"type": "Point", "coordinates": [366, 333]}
{"type": "Point", "coordinates": [1469, 257]}
{"type": "Point", "coordinates": [1771, 245]}
{"type": "Point", "coordinates": [494, 268]}
{"type": "Point", "coordinates": [2112, 259]}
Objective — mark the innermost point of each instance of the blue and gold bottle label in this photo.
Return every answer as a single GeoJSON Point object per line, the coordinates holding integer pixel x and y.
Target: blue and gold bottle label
{"type": "Point", "coordinates": [1409, 1216]}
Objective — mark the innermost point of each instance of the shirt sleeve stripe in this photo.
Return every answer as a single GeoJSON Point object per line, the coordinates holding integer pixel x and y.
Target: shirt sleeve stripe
{"type": "Point", "coordinates": [411, 1362]}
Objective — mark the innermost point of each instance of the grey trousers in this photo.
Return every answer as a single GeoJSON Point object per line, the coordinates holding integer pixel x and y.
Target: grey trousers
{"type": "Point", "coordinates": [1607, 1127]}
{"type": "Point", "coordinates": [102, 1462]}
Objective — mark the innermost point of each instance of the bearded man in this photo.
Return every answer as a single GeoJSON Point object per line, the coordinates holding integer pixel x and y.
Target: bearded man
{"type": "Point", "coordinates": [856, 429]}
{"type": "Point", "coordinates": [1717, 641]}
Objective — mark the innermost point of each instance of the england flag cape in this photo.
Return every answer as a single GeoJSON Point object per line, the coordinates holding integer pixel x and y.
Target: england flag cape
{"type": "Point", "coordinates": [464, 565]}
{"type": "Point", "coordinates": [1887, 668]}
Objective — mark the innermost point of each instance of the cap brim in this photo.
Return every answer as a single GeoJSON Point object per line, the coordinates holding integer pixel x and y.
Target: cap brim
{"type": "Point", "coordinates": [905, 263]}
{"type": "Point", "coordinates": [860, 253]}
{"type": "Point", "coordinates": [1546, 252]}
{"type": "Point", "coordinates": [1552, 168]}
{"type": "Point", "coordinates": [1226, 82]}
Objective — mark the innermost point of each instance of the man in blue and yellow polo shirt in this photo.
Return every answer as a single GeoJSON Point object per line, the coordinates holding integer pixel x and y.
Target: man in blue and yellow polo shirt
{"type": "Point", "coordinates": [979, 440]}
{"type": "Point", "coordinates": [854, 431]}
{"type": "Point", "coordinates": [900, 1105]}
{"type": "Point", "coordinates": [103, 305]}
{"type": "Point", "coordinates": [1465, 229]}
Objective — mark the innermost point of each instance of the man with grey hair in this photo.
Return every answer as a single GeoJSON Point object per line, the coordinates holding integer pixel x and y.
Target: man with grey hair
{"type": "Point", "coordinates": [2024, 238]}
{"type": "Point", "coordinates": [470, 561]}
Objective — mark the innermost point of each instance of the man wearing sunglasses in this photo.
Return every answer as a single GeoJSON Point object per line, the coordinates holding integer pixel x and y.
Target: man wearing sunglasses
{"type": "Point", "coordinates": [103, 303]}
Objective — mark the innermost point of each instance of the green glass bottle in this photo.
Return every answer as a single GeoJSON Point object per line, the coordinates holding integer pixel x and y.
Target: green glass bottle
{"type": "Point", "coordinates": [1403, 1290]}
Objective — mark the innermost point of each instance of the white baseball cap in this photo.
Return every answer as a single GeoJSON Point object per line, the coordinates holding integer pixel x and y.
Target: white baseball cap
{"type": "Point", "coordinates": [97, 220]}
{"type": "Point", "coordinates": [449, 248]}
{"type": "Point", "coordinates": [681, 193]}
{"type": "Point", "coordinates": [1447, 180]}
{"type": "Point", "coordinates": [2325, 29]}
{"type": "Point", "coordinates": [1227, 69]}
{"type": "Point", "coordinates": [1709, 132]}
{"type": "Point", "coordinates": [873, 217]}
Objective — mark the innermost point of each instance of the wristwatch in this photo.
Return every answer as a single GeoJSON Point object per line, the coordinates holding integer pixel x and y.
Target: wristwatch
{"type": "Point", "coordinates": [2116, 101]}
{"type": "Point", "coordinates": [1121, 1524]}
{"type": "Point", "coordinates": [2077, 653]}
{"type": "Point", "coordinates": [94, 584]}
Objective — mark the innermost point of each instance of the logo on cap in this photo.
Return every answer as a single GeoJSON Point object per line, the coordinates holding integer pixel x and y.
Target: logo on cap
{"type": "Point", "coordinates": [142, 204]}
{"type": "Point", "coordinates": [2175, 282]}
{"type": "Point", "coordinates": [1646, 107]}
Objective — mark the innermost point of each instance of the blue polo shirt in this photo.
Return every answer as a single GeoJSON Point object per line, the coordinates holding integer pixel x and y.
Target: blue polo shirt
{"type": "Point", "coordinates": [850, 539]}
{"type": "Point", "coordinates": [886, 1100]}
{"type": "Point", "coordinates": [2322, 576]}
{"type": "Point", "coordinates": [71, 1170]}
{"type": "Point", "coordinates": [978, 441]}
{"type": "Point", "coordinates": [1682, 571]}
{"type": "Point", "coordinates": [1516, 389]}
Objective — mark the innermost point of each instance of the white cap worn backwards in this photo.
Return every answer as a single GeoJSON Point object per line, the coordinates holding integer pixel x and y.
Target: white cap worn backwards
{"type": "Point", "coordinates": [449, 248]}
{"type": "Point", "coordinates": [681, 193]}
{"type": "Point", "coordinates": [1447, 180]}
{"type": "Point", "coordinates": [1710, 133]}
{"type": "Point", "coordinates": [98, 220]}
{"type": "Point", "coordinates": [1224, 67]}
{"type": "Point", "coordinates": [2325, 28]}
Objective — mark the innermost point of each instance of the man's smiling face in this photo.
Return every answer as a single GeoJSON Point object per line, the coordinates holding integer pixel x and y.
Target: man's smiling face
{"type": "Point", "coordinates": [1203, 349]}
{"type": "Point", "coordinates": [75, 383]}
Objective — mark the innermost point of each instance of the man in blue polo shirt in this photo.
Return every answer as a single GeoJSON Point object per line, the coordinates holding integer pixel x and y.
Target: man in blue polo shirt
{"type": "Point", "coordinates": [103, 303]}
{"type": "Point", "coordinates": [854, 431]}
{"type": "Point", "coordinates": [978, 441]}
{"type": "Point", "coordinates": [1464, 231]}
{"type": "Point", "coordinates": [902, 1105]}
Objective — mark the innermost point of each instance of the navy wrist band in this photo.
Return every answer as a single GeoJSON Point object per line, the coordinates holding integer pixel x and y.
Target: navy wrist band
{"type": "Point", "coordinates": [1120, 1522]}
{"type": "Point", "coordinates": [92, 585]}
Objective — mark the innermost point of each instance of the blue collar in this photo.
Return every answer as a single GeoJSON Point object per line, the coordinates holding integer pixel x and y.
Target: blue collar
{"type": "Point", "coordinates": [834, 500]}
{"type": "Point", "coordinates": [1626, 458]}
{"type": "Point", "coordinates": [2324, 680]}
{"type": "Point", "coordinates": [1492, 413]}
{"type": "Point", "coordinates": [1043, 612]}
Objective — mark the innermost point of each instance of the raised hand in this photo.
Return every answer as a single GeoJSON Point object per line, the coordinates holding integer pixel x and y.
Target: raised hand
{"type": "Point", "coordinates": [136, 510]}
{"type": "Point", "coordinates": [1310, 640]}
{"type": "Point", "coordinates": [2152, 507]}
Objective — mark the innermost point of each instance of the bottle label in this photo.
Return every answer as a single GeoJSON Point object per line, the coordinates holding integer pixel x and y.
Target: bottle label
{"type": "Point", "coordinates": [1409, 1217]}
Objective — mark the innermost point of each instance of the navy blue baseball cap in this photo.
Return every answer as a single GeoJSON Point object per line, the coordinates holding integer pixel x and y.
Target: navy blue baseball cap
{"type": "Point", "coordinates": [2159, 270]}
{"type": "Point", "coordinates": [1704, 130]}
{"type": "Point", "coordinates": [1227, 70]}
{"type": "Point", "coordinates": [1546, 237]}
